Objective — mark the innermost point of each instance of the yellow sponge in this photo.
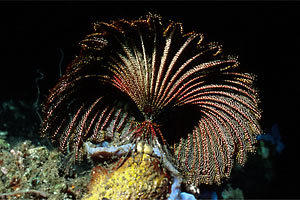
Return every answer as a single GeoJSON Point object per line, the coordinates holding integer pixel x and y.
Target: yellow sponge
{"type": "Point", "coordinates": [139, 177]}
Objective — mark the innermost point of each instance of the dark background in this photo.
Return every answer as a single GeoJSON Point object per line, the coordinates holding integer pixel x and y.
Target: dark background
{"type": "Point", "coordinates": [265, 35]}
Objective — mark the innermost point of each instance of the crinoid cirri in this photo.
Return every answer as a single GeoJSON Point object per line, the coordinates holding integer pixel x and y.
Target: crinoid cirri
{"type": "Point", "coordinates": [146, 81]}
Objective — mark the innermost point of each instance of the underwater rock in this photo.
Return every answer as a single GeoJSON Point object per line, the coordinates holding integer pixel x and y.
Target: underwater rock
{"type": "Point", "coordinates": [29, 171]}
{"type": "Point", "coordinates": [274, 137]}
{"type": "Point", "coordinates": [141, 172]}
{"type": "Point", "coordinates": [141, 176]}
{"type": "Point", "coordinates": [231, 193]}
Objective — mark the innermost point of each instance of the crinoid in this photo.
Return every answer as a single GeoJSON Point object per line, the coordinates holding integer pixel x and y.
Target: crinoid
{"type": "Point", "coordinates": [145, 80]}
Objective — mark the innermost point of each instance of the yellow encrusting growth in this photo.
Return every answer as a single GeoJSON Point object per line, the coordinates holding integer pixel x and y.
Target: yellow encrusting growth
{"type": "Point", "coordinates": [140, 177]}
